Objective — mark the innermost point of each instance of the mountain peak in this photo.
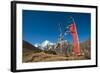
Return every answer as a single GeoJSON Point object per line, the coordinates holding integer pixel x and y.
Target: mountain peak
{"type": "Point", "coordinates": [45, 43]}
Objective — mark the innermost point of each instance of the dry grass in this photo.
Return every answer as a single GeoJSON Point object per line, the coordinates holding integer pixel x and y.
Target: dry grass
{"type": "Point", "coordinates": [33, 54]}
{"type": "Point", "coordinates": [44, 57]}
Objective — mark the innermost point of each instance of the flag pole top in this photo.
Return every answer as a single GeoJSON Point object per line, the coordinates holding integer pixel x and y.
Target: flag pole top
{"type": "Point", "coordinates": [72, 18]}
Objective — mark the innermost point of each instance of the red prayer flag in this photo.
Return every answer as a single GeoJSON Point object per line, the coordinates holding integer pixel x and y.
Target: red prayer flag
{"type": "Point", "coordinates": [76, 48]}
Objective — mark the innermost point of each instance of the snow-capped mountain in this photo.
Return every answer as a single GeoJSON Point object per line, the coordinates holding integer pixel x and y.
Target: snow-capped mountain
{"type": "Point", "coordinates": [37, 45]}
{"type": "Point", "coordinates": [44, 45]}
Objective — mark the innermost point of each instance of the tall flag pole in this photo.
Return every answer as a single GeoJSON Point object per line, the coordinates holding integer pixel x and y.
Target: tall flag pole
{"type": "Point", "coordinates": [75, 44]}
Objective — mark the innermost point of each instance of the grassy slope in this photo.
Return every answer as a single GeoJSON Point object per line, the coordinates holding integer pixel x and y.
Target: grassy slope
{"type": "Point", "coordinates": [42, 57]}
{"type": "Point", "coordinates": [33, 54]}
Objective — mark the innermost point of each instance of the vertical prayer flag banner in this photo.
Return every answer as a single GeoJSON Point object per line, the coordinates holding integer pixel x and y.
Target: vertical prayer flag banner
{"type": "Point", "coordinates": [75, 45]}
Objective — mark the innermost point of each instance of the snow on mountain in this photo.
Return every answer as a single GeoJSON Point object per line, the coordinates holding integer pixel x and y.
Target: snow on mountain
{"type": "Point", "coordinates": [37, 45]}
{"type": "Point", "coordinates": [45, 43]}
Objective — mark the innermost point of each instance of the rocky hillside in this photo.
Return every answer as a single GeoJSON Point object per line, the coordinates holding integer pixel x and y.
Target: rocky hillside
{"type": "Point", "coordinates": [35, 54]}
{"type": "Point", "coordinates": [85, 47]}
{"type": "Point", "coordinates": [28, 49]}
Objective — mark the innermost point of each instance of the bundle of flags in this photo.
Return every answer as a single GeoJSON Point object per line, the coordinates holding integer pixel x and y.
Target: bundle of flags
{"type": "Point", "coordinates": [75, 44]}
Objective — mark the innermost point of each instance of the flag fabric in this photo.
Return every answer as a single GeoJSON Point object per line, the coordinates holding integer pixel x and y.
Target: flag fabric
{"type": "Point", "coordinates": [75, 44]}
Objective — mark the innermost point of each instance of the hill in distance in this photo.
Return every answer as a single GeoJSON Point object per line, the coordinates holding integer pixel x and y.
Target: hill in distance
{"type": "Point", "coordinates": [30, 47]}
{"type": "Point", "coordinates": [34, 54]}
{"type": "Point", "coordinates": [85, 47]}
{"type": "Point", "coordinates": [28, 50]}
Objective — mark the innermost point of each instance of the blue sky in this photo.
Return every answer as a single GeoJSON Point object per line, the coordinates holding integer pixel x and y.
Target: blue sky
{"type": "Point", "coordinates": [38, 26]}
